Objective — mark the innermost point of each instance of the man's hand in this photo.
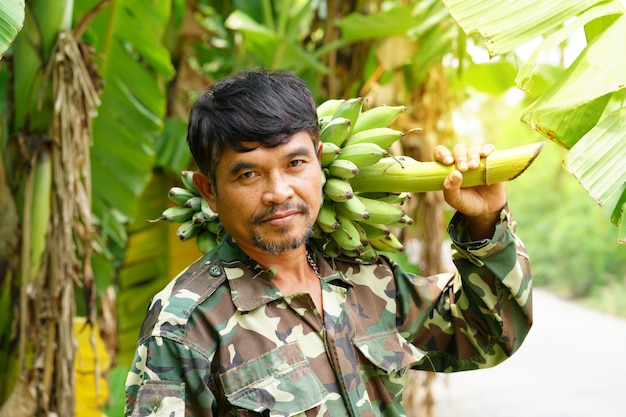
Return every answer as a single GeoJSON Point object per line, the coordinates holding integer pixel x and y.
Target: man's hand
{"type": "Point", "coordinates": [480, 204]}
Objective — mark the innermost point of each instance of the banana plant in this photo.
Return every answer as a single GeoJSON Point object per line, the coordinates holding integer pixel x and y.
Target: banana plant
{"type": "Point", "coordinates": [11, 22]}
{"type": "Point", "coordinates": [583, 110]}
{"type": "Point", "coordinates": [109, 53]}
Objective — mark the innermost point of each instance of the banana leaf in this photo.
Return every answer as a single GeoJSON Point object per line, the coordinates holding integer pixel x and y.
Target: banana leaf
{"type": "Point", "coordinates": [506, 25]}
{"type": "Point", "coordinates": [270, 47]}
{"type": "Point", "coordinates": [11, 21]}
{"type": "Point", "coordinates": [580, 105]}
{"type": "Point", "coordinates": [597, 160]}
{"type": "Point", "coordinates": [134, 65]}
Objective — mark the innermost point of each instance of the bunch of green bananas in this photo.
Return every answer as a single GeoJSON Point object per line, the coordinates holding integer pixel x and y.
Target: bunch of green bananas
{"type": "Point", "coordinates": [352, 222]}
{"type": "Point", "coordinates": [196, 218]}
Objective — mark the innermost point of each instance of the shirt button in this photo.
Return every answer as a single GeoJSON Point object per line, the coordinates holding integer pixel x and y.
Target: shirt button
{"type": "Point", "coordinates": [215, 271]}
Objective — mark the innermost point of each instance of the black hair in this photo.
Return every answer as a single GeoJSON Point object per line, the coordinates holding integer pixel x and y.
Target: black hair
{"type": "Point", "coordinates": [266, 107]}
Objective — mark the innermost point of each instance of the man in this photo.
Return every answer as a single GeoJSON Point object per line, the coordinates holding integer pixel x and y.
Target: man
{"type": "Point", "coordinates": [266, 325]}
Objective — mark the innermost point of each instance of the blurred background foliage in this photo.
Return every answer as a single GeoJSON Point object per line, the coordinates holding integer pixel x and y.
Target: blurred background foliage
{"type": "Point", "coordinates": [95, 100]}
{"type": "Point", "coordinates": [567, 234]}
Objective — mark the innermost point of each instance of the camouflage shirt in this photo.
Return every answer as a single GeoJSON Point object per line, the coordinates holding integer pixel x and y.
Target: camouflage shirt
{"type": "Point", "coordinates": [221, 339]}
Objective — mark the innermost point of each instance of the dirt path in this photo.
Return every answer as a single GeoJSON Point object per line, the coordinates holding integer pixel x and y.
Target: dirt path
{"type": "Point", "coordinates": [572, 364]}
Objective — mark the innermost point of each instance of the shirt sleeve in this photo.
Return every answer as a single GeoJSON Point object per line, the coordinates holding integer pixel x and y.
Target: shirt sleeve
{"type": "Point", "coordinates": [169, 379]}
{"type": "Point", "coordinates": [477, 316]}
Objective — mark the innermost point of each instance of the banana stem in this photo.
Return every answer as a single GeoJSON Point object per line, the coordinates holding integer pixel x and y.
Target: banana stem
{"type": "Point", "coordinates": [405, 174]}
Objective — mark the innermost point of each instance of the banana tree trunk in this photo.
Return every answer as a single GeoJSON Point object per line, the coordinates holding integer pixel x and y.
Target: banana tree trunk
{"type": "Point", "coordinates": [47, 178]}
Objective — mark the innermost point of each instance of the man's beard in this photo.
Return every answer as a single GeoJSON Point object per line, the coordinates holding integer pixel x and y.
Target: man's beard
{"type": "Point", "coordinates": [283, 245]}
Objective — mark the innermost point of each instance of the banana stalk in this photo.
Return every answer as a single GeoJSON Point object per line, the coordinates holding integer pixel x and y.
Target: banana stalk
{"type": "Point", "coordinates": [405, 174]}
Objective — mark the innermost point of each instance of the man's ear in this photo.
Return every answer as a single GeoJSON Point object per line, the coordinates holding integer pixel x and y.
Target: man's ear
{"type": "Point", "coordinates": [205, 186]}
{"type": "Point", "coordinates": [319, 150]}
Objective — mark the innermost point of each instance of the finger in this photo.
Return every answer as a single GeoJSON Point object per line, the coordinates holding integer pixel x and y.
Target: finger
{"type": "Point", "coordinates": [487, 149]}
{"type": "Point", "coordinates": [452, 188]}
{"type": "Point", "coordinates": [443, 155]}
{"type": "Point", "coordinates": [459, 151]}
{"type": "Point", "coordinates": [454, 180]}
{"type": "Point", "coordinates": [473, 154]}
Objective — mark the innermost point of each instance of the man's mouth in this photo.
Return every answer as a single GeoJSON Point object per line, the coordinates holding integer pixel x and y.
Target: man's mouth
{"type": "Point", "coordinates": [280, 217]}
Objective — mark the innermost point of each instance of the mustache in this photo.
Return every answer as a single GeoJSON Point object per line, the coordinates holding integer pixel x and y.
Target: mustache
{"type": "Point", "coordinates": [273, 209]}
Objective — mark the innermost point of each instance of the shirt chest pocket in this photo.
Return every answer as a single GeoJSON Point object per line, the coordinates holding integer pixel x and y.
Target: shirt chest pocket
{"type": "Point", "coordinates": [278, 383]}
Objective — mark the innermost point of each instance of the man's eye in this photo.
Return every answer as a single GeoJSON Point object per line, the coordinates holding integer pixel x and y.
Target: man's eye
{"type": "Point", "coordinates": [296, 162]}
{"type": "Point", "coordinates": [247, 175]}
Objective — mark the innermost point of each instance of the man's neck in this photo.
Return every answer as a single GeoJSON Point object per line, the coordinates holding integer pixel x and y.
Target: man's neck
{"type": "Point", "coordinates": [290, 265]}
{"type": "Point", "coordinates": [294, 273]}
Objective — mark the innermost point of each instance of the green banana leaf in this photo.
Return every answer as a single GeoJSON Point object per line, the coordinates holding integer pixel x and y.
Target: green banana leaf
{"type": "Point", "coordinates": [597, 160]}
{"type": "Point", "coordinates": [11, 21]}
{"type": "Point", "coordinates": [506, 25]}
{"type": "Point", "coordinates": [145, 268]}
{"type": "Point", "coordinates": [586, 86]}
{"type": "Point", "coordinates": [134, 65]}
{"type": "Point", "coordinates": [396, 21]}
{"type": "Point", "coordinates": [271, 48]}
{"type": "Point", "coordinates": [427, 23]}
{"type": "Point", "coordinates": [171, 149]}
{"type": "Point", "coordinates": [576, 107]}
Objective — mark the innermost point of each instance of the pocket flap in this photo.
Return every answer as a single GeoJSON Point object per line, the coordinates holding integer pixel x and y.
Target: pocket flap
{"type": "Point", "coordinates": [389, 351]}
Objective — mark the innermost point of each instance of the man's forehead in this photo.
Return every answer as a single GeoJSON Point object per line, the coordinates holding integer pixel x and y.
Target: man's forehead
{"type": "Point", "coordinates": [298, 144]}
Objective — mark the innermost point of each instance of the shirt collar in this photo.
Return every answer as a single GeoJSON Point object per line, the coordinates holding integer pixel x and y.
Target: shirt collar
{"type": "Point", "coordinates": [251, 286]}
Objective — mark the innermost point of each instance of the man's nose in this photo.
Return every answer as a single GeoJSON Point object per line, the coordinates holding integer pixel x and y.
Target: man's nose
{"type": "Point", "coordinates": [278, 189]}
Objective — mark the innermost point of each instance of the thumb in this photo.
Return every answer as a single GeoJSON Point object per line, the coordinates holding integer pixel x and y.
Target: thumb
{"type": "Point", "coordinates": [452, 189]}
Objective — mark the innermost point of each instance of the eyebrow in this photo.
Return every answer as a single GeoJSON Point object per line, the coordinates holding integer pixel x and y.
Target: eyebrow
{"type": "Point", "coordinates": [301, 151]}
{"type": "Point", "coordinates": [238, 167]}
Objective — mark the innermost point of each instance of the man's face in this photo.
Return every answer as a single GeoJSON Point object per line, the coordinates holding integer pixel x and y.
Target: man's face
{"type": "Point", "coordinates": [268, 198]}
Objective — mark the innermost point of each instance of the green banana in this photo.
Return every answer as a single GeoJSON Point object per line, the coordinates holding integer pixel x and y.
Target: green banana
{"type": "Point", "coordinates": [198, 217]}
{"type": "Point", "coordinates": [393, 198]}
{"type": "Point", "coordinates": [180, 195]}
{"type": "Point", "coordinates": [187, 178]}
{"type": "Point", "coordinates": [329, 153]}
{"type": "Point", "coordinates": [396, 198]}
{"type": "Point", "coordinates": [380, 116]}
{"type": "Point", "coordinates": [206, 241]}
{"type": "Point", "coordinates": [343, 168]}
{"type": "Point", "coordinates": [362, 234]}
{"type": "Point", "coordinates": [328, 246]}
{"type": "Point", "coordinates": [374, 230]}
{"type": "Point", "coordinates": [404, 221]}
{"type": "Point", "coordinates": [368, 253]}
{"type": "Point", "coordinates": [381, 136]}
{"type": "Point", "coordinates": [347, 236]}
{"type": "Point", "coordinates": [338, 189]}
{"type": "Point", "coordinates": [349, 109]}
{"type": "Point", "coordinates": [352, 208]}
{"type": "Point", "coordinates": [390, 243]}
{"type": "Point", "coordinates": [214, 227]}
{"type": "Point", "coordinates": [329, 107]}
{"type": "Point", "coordinates": [209, 214]}
{"type": "Point", "coordinates": [316, 231]}
{"type": "Point", "coordinates": [327, 218]}
{"type": "Point", "coordinates": [323, 122]}
{"type": "Point", "coordinates": [194, 202]}
{"type": "Point", "coordinates": [336, 131]}
{"type": "Point", "coordinates": [381, 212]}
{"type": "Point", "coordinates": [177, 214]}
{"type": "Point", "coordinates": [187, 230]}
{"type": "Point", "coordinates": [363, 154]}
